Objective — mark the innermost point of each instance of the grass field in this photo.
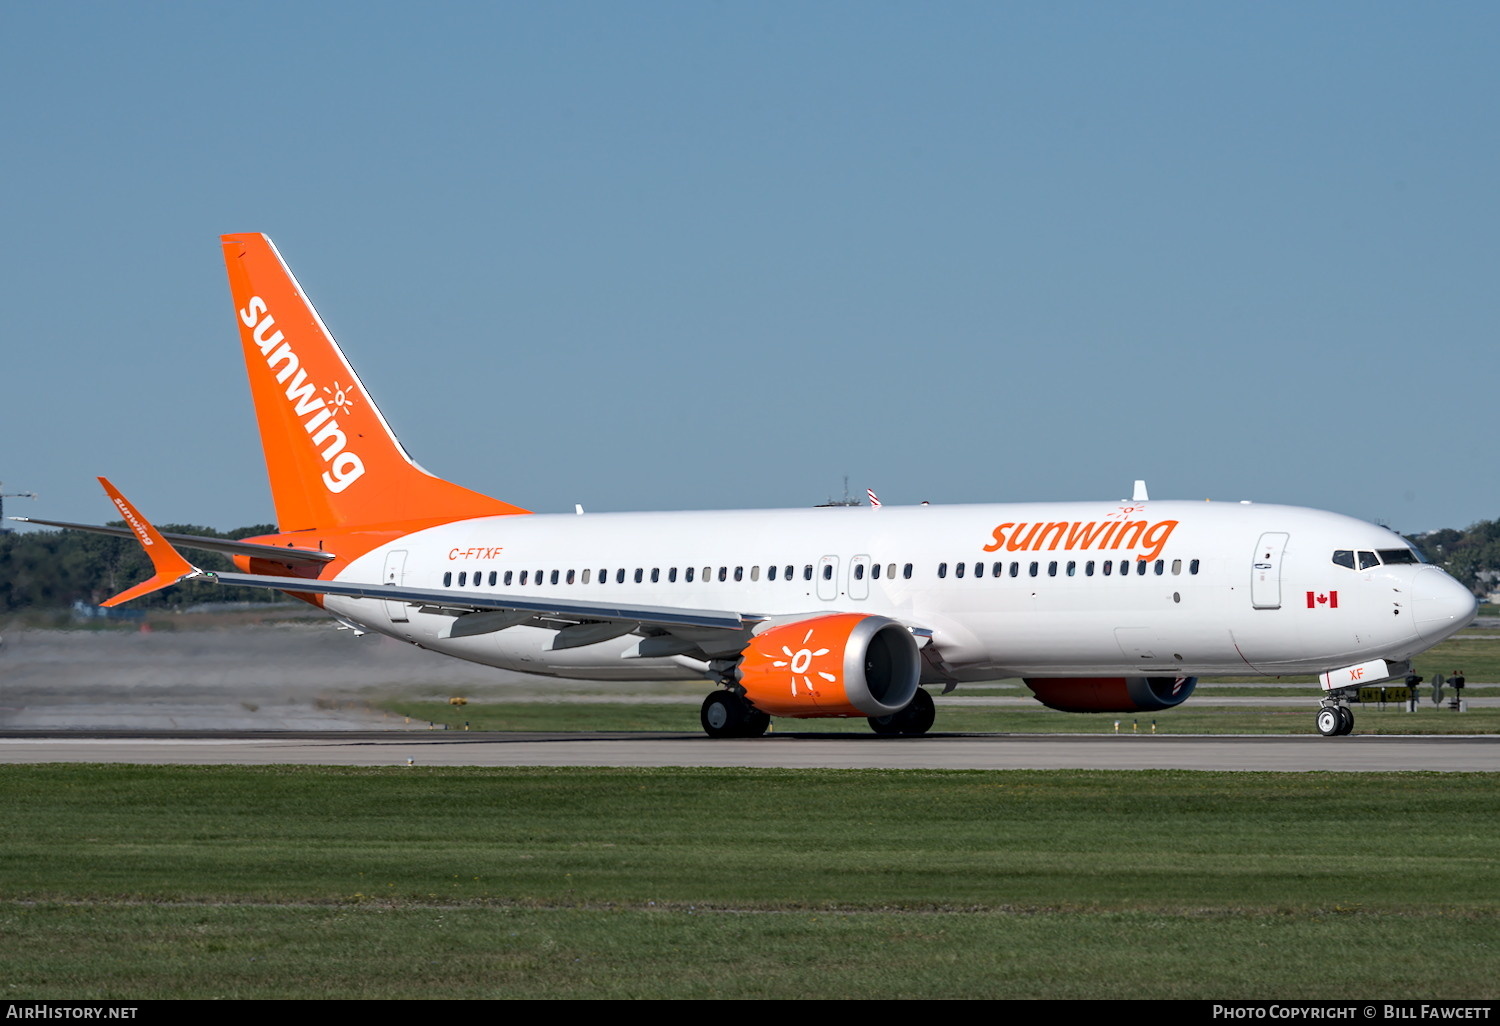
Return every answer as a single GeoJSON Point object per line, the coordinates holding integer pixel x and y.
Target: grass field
{"type": "Point", "coordinates": [142, 882]}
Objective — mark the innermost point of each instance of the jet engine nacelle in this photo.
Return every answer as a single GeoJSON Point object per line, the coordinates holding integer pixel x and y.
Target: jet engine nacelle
{"type": "Point", "coordinates": [1111, 694]}
{"type": "Point", "coordinates": [844, 664]}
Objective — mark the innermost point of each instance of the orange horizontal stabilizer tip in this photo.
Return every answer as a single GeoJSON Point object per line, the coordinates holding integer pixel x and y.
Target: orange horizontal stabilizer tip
{"type": "Point", "coordinates": [169, 564]}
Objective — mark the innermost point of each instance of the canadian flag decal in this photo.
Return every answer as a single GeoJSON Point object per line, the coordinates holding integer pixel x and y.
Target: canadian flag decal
{"type": "Point", "coordinates": [1316, 599]}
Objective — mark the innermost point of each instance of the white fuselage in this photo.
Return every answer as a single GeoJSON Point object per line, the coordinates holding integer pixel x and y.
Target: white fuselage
{"type": "Point", "coordinates": [1226, 588]}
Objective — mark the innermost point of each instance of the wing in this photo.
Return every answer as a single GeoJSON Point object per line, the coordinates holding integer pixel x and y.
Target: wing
{"type": "Point", "coordinates": [669, 630]}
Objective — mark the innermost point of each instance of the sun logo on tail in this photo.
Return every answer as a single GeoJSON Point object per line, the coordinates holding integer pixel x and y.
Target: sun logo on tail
{"type": "Point", "coordinates": [800, 661]}
{"type": "Point", "coordinates": [341, 397]}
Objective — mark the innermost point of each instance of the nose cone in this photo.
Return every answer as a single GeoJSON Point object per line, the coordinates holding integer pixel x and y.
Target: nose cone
{"type": "Point", "coordinates": [1441, 605]}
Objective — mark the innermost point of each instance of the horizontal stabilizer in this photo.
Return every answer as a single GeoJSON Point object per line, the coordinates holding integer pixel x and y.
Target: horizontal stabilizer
{"type": "Point", "coordinates": [229, 547]}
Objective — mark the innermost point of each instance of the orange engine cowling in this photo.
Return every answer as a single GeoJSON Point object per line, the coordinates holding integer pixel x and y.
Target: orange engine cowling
{"type": "Point", "coordinates": [1111, 694]}
{"type": "Point", "coordinates": [844, 664]}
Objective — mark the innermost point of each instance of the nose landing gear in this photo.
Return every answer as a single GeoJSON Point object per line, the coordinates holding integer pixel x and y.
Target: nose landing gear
{"type": "Point", "coordinates": [1335, 720]}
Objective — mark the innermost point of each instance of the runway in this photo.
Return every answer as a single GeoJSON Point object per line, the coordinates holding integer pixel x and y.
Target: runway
{"type": "Point", "coordinates": [1260, 753]}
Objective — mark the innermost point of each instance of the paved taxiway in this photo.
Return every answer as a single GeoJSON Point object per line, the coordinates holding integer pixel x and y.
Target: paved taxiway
{"type": "Point", "coordinates": [801, 751]}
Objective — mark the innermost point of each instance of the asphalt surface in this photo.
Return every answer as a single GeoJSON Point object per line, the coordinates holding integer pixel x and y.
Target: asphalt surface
{"type": "Point", "coordinates": [791, 751]}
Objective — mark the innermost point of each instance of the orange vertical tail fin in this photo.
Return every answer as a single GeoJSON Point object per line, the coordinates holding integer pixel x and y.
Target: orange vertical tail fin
{"type": "Point", "coordinates": [332, 459]}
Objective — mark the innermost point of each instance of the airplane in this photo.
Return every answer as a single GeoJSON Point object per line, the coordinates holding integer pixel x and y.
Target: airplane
{"type": "Point", "coordinates": [837, 611]}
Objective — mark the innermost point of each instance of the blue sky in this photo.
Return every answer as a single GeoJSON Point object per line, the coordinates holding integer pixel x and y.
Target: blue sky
{"type": "Point", "coordinates": [707, 255]}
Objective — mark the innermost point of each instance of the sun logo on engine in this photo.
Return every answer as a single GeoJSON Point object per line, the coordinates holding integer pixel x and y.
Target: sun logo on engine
{"type": "Point", "coordinates": [342, 398]}
{"type": "Point", "coordinates": [800, 662]}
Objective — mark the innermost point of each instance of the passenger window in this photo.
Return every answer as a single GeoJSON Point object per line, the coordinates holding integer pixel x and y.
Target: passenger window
{"type": "Point", "coordinates": [906, 572]}
{"type": "Point", "coordinates": [890, 571]}
{"type": "Point", "coordinates": [463, 579]}
{"type": "Point", "coordinates": [859, 571]}
{"type": "Point", "coordinates": [620, 576]}
{"type": "Point", "coordinates": [1124, 567]}
{"type": "Point", "coordinates": [448, 579]}
{"type": "Point", "coordinates": [723, 573]}
{"type": "Point", "coordinates": [687, 575]}
{"type": "Point", "coordinates": [1367, 560]}
{"type": "Point", "coordinates": [978, 569]}
{"type": "Point", "coordinates": [1034, 568]}
{"type": "Point", "coordinates": [1052, 568]}
{"type": "Point", "coordinates": [587, 574]}
{"type": "Point", "coordinates": [1015, 569]}
{"type": "Point", "coordinates": [942, 569]}
{"type": "Point", "coordinates": [672, 575]}
{"type": "Point", "coordinates": [788, 572]}
{"type": "Point", "coordinates": [827, 571]}
{"type": "Point", "coordinates": [525, 574]}
{"type": "Point", "coordinates": [656, 575]}
{"type": "Point", "coordinates": [1109, 567]}
{"type": "Point", "coordinates": [537, 577]}
{"type": "Point", "coordinates": [807, 572]}
{"type": "Point", "coordinates": [1088, 569]}
{"type": "Point", "coordinates": [739, 573]}
{"type": "Point", "coordinates": [1072, 568]}
{"type": "Point", "coordinates": [755, 573]}
{"type": "Point", "coordinates": [708, 574]}
{"type": "Point", "coordinates": [1161, 567]}
{"type": "Point", "coordinates": [640, 575]}
{"type": "Point", "coordinates": [958, 570]}
{"type": "Point", "coordinates": [770, 573]}
{"type": "Point", "coordinates": [874, 571]}
{"type": "Point", "coordinates": [570, 577]}
{"type": "Point", "coordinates": [1176, 567]}
{"type": "Point", "coordinates": [1140, 568]}
{"type": "Point", "coordinates": [510, 577]}
{"type": "Point", "coordinates": [1193, 567]}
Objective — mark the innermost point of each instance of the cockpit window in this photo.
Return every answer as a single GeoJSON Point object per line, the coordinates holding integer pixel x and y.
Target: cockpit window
{"type": "Point", "coordinates": [1365, 560]}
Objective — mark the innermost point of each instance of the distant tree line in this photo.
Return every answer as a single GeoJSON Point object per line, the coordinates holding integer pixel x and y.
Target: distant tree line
{"type": "Point", "coordinates": [54, 569]}
{"type": "Point", "coordinates": [1471, 555]}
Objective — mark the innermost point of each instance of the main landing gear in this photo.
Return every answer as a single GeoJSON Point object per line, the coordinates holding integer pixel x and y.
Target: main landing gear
{"type": "Point", "coordinates": [726, 714]}
{"type": "Point", "coordinates": [1335, 720]}
{"type": "Point", "coordinates": [916, 718]}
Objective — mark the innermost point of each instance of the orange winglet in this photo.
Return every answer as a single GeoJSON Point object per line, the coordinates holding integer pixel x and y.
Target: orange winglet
{"type": "Point", "coordinates": [169, 564]}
